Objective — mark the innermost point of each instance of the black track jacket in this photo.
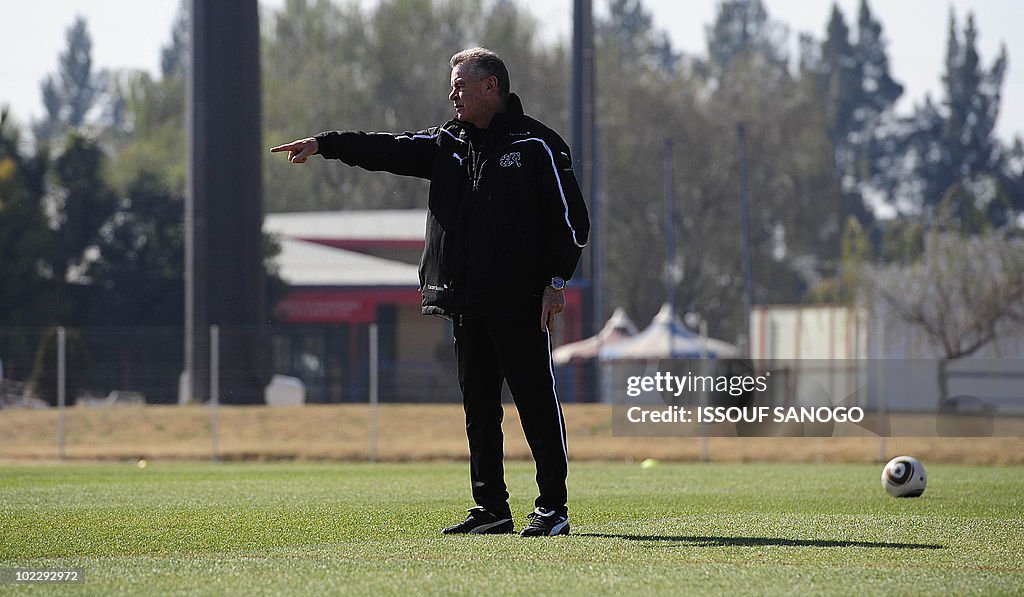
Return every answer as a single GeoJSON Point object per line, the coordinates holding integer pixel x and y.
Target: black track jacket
{"type": "Point", "coordinates": [505, 213]}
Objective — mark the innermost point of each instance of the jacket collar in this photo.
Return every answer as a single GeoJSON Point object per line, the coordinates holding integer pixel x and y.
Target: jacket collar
{"type": "Point", "coordinates": [513, 110]}
{"type": "Point", "coordinates": [515, 105]}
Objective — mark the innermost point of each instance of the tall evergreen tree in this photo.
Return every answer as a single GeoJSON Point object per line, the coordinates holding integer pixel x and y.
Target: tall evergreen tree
{"type": "Point", "coordinates": [875, 100]}
{"type": "Point", "coordinates": [630, 27]}
{"type": "Point", "coordinates": [972, 101]}
{"type": "Point", "coordinates": [71, 94]}
{"type": "Point", "coordinates": [859, 94]}
{"type": "Point", "coordinates": [879, 91]}
{"type": "Point", "coordinates": [840, 75]}
{"type": "Point", "coordinates": [743, 29]}
{"type": "Point", "coordinates": [174, 55]}
{"type": "Point", "coordinates": [956, 150]}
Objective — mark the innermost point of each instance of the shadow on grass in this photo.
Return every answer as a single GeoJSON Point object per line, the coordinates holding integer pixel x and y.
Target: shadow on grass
{"type": "Point", "coordinates": [759, 541]}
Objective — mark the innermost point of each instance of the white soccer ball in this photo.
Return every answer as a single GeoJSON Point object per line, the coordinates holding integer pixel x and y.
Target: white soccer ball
{"type": "Point", "coordinates": [904, 476]}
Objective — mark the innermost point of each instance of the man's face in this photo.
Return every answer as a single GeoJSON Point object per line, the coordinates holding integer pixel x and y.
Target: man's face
{"type": "Point", "coordinates": [472, 97]}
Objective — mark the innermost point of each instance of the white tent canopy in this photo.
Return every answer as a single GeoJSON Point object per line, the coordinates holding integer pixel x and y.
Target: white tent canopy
{"type": "Point", "coordinates": [667, 338]}
{"type": "Point", "coordinates": [618, 327]}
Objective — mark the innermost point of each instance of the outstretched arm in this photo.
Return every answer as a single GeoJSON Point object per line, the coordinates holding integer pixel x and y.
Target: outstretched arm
{"type": "Point", "coordinates": [299, 150]}
{"type": "Point", "coordinates": [407, 154]}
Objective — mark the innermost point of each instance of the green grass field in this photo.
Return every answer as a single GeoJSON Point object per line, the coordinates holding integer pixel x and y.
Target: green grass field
{"type": "Point", "coordinates": [301, 528]}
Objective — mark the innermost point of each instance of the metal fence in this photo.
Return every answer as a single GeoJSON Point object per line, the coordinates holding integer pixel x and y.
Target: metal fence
{"type": "Point", "coordinates": [63, 367]}
{"type": "Point", "coordinates": [131, 365]}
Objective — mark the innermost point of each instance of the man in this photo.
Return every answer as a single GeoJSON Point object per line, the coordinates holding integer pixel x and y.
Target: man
{"type": "Point", "coordinates": [506, 225]}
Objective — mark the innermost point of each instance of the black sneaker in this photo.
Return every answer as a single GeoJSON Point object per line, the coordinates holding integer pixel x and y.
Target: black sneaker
{"type": "Point", "coordinates": [546, 523]}
{"type": "Point", "coordinates": [480, 521]}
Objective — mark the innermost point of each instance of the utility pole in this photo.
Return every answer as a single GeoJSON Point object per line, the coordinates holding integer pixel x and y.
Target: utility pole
{"type": "Point", "coordinates": [670, 226]}
{"type": "Point", "coordinates": [748, 277]}
{"type": "Point", "coordinates": [583, 146]}
{"type": "Point", "coordinates": [584, 150]}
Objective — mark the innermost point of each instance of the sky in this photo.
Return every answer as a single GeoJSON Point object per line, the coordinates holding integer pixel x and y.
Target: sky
{"type": "Point", "coordinates": [130, 33]}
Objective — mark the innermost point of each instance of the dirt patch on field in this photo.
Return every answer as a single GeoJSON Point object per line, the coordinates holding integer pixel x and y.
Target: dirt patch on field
{"type": "Point", "coordinates": [430, 432]}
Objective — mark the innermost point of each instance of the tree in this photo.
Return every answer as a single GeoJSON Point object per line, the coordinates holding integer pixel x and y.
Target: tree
{"type": "Point", "coordinates": [71, 94]}
{"type": "Point", "coordinates": [630, 27]}
{"type": "Point", "coordinates": [954, 144]}
{"type": "Point", "coordinates": [639, 105]}
{"type": "Point", "coordinates": [81, 202]}
{"type": "Point", "coordinates": [28, 300]}
{"type": "Point", "coordinates": [152, 138]}
{"type": "Point", "coordinates": [796, 204]}
{"type": "Point", "coordinates": [795, 221]}
{"type": "Point", "coordinates": [138, 108]}
{"type": "Point", "coordinates": [858, 94]}
{"type": "Point", "coordinates": [840, 77]}
{"type": "Point", "coordinates": [1011, 180]}
{"type": "Point", "coordinates": [138, 271]}
{"type": "Point", "coordinates": [743, 30]}
{"type": "Point", "coordinates": [174, 56]}
{"type": "Point", "coordinates": [384, 68]}
{"type": "Point", "coordinates": [878, 90]}
{"type": "Point", "coordinates": [24, 235]}
{"type": "Point", "coordinates": [796, 207]}
{"type": "Point", "coordinates": [136, 291]}
{"type": "Point", "coordinates": [963, 292]}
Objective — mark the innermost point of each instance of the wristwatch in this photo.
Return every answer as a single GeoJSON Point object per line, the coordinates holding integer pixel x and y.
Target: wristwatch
{"type": "Point", "coordinates": [557, 283]}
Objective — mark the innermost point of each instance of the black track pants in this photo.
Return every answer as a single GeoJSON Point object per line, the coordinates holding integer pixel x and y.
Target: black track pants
{"type": "Point", "coordinates": [491, 350]}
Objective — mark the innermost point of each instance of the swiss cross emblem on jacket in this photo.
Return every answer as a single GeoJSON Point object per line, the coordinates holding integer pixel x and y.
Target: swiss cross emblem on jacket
{"type": "Point", "coordinates": [510, 159]}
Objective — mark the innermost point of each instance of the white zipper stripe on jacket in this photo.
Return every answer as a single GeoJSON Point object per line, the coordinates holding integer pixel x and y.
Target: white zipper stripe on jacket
{"type": "Point", "coordinates": [561, 191]}
{"type": "Point", "coordinates": [434, 136]}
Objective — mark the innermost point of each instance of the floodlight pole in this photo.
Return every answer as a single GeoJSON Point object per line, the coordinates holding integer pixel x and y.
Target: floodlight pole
{"type": "Point", "coordinates": [223, 201]}
{"type": "Point", "coordinates": [582, 108]}
{"type": "Point", "coordinates": [584, 152]}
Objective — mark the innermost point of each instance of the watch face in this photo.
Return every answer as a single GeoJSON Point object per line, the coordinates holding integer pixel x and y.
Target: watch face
{"type": "Point", "coordinates": [557, 283]}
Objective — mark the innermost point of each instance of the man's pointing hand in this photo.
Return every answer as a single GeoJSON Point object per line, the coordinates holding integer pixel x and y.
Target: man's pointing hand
{"type": "Point", "coordinates": [299, 149]}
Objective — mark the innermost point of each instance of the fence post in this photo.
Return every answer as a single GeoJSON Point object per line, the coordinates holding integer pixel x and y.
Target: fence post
{"type": "Point", "coordinates": [883, 399]}
{"type": "Point", "coordinates": [374, 390]}
{"type": "Point", "coordinates": [214, 389]}
{"type": "Point", "coordinates": [61, 387]}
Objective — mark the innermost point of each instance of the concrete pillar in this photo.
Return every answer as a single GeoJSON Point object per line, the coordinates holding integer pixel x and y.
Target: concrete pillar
{"type": "Point", "coordinates": [224, 282]}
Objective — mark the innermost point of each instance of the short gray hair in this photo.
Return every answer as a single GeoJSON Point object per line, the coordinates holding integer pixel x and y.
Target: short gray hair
{"type": "Point", "coordinates": [483, 63]}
